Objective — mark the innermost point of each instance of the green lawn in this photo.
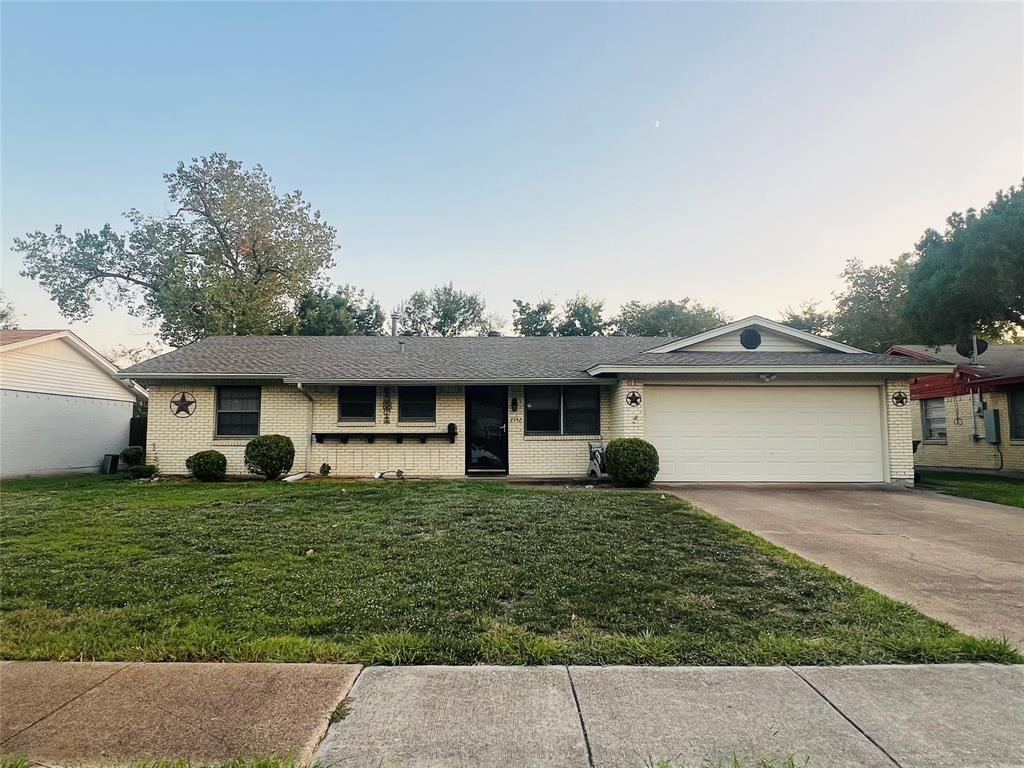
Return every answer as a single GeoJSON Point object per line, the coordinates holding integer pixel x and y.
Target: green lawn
{"type": "Point", "coordinates": [417, 572]}
{"type": "Point", "coordinates": [1001, 490]}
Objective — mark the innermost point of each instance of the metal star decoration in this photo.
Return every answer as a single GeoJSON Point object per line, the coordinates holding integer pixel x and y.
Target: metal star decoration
{"type": "Point", "coordinates": [899, 399]}
{"type": "Point", "coordinates": [633, 399]}
{"type": "Point", "coordinates": [182, 404]}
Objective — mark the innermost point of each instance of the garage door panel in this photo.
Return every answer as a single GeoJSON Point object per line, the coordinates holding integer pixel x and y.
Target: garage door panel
{"type": "Point", "coordinates": [773, 434]}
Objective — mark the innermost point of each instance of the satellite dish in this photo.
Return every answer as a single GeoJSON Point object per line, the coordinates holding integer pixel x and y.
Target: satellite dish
{"type": "Point", "coordinates": [966, 348]}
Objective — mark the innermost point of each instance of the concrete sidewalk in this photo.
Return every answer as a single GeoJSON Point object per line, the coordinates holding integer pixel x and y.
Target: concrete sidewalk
{"type": "Point", "coordinates": [571, 717]}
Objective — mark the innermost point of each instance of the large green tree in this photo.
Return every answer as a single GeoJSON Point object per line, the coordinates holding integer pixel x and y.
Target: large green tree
{"type": "Point", "coordinates": [970, 278]}
{"type": "Point", "coordinates": [345, 311]}
{"type": "Point", "coordinates": [534, 319]}
{"type": "Point", "coordinates": [582, 316]}
{"type": "Point", "coordinates": [808, 318]}
{"type": "Point", "coordinates": [871, 310]}
{"type": "Point", "coordinates": [668, 318]}
{"type": "Point", "coordinates": [443, 311]}
{"type": "Point", "coordinates": [232, 258]}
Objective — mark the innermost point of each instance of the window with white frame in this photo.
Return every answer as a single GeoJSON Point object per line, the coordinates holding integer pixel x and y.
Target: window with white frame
{"type": "Point", "coordinates": [933, 419]}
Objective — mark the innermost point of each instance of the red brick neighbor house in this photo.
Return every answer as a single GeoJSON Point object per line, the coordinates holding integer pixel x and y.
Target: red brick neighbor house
{"type": "Point", "coordinates": [972, 417]}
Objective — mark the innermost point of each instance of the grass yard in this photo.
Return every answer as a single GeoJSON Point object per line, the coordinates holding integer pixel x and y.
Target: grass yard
{"type": "Point", "coordinates": [424, 572]}
{"type": "Point", "coordinates": [1001, 490]}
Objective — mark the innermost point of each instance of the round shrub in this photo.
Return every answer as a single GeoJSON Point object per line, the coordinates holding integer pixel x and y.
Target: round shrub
{"type": "Point", "coordinates": [325, 469]}
{"type": "Point", "coordinates": [139, 471]}
{"type": "Point", "coordinates": [631, 461]}
{"type": "Point", "coordinates": [133, 455]}
{"type": "Point", "coordinates": [207, 466]}
{"type": "Point", "coordinates": [269, 455]}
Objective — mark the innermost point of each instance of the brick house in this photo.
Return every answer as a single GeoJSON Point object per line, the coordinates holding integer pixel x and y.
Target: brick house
{"type": "Point", "coordinates": [750, 401]}
{"type": "Point", "coordinates": [972, 416]}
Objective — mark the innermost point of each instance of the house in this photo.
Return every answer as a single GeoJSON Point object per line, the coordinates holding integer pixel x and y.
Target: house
{"type": "Point", "coordinates": [972, 416]}
{"type": "Point", "coordinates": [62, 405]}
{"type": "Point", "coordinates": [750, 401]}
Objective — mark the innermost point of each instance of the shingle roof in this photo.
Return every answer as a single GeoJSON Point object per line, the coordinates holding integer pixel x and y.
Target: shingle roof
{"type": "Point", "coordinates": [13, 337]}
{"type": "Point", "coordinates": [999, 360]}
{"type": "Point", "coordinates": [379, 358]}
{"type": "Point", "coordinates": [312, 359]}
{"type": "Point", "coordinates": [773, 359]}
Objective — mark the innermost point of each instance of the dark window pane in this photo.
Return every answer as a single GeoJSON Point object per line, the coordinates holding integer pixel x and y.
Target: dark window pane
{"type": "Point", "coordinates": [238, 410]}
{"type": "Point", "coordinates": [416, 403]}
{"type": "Point", "coordinates": [357, 403]}
{"type": "Point", "coordinates": [542, 409]}
{"type": "Point", "coordinates": [582, 410]}
{"type": "Point", "coordinates": [1017, 414]}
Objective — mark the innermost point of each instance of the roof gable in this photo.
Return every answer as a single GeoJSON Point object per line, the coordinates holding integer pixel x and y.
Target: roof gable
{"type": "Point", "coordinates": [774, 337]}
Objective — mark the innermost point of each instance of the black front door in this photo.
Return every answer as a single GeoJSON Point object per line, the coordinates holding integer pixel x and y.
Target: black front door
{"type": "Point", "coordinates": [486, 430]}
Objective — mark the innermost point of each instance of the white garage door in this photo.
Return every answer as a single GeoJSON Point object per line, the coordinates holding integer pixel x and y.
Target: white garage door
{"type": "Point", "coordinates": [766, 433]}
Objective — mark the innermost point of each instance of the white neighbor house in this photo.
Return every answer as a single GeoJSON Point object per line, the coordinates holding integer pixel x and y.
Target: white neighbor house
{"type": "Point", "coordinates": [62, 406]}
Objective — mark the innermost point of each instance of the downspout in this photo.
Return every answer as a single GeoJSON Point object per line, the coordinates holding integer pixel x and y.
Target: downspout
{"type": "Point", "coordinates": [309, 424]}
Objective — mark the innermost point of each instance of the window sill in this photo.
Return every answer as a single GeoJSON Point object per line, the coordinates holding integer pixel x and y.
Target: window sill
{"type": "Point", "coordinates": [362, 422]}
{"type": "Point", "coordinates": [935, 442]}
{"type": "Point", "coordinates": [557, 436]}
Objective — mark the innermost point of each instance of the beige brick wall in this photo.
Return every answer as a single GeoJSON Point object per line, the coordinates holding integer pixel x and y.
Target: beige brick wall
{"type": "Point", "coordinates": [285, 410]}
{"type": "Point", "coordinates": [627, 420]}
{"type": "Point", "coordinates": [170, 440]}
{"type": "Point", "coordinates": [960, 449]}
{"type": "Point", "coordinates": [546, 456]}
{"type": "Point", "coordinates": [898, 434]}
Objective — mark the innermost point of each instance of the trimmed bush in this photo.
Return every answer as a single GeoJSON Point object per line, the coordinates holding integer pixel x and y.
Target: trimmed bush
{"type": "Point", "coordinates": [133, 455]}
{"type": "Point", "coordinates": [270, 455]}
{"type": "Point", "coordinates": [631, 461]}
{"type": "Point", "coordinates": [139, 471]}
{"type": "Point", "coordinates": [207, 466]}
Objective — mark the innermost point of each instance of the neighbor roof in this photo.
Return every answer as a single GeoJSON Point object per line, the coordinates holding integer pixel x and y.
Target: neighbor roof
{"type": "Point", "coordinates": [13, 337]}
{"type": "Point", "coordinates": [351, 359]}
{"type": "Point", "coordinates": [998, 361]}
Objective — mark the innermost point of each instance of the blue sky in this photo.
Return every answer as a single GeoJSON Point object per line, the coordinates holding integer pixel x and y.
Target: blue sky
{"type": "Point", "coordinates": [734, 153]}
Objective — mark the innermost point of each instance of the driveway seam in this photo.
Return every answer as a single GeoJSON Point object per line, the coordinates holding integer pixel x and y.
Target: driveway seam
{"type": "Point", "coordinates": [318, 739]}
{"type": "Point", "coordinates": [69, 701]}
{"type": "Point", "coordinates": [846, 717]}
{"type": "Point", "coordinates": [579, 715]}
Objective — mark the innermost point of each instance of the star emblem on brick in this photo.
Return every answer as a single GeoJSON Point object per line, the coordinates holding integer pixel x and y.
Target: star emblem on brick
{"type": "Point", "coordinates": [633, 399]}
{"type": "Point", "coordinates": [899, 399]}
{"type": "Point", "coordinates": [183, 404]}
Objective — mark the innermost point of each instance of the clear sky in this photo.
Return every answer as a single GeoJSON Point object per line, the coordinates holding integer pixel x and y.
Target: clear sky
{"type": "Point", "coordinates": [734, 153]}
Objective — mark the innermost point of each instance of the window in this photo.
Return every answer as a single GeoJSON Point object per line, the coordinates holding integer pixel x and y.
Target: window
{"type": "Point", "coordinates": [357, 403]}
{"type": "Point", "coordinates": [563, 410]}
{"type": "Point", "coordinates": [238, 411]}
{"type": "Point", "coordinates": [416, 403]}
{"type": "Point", "coordinates": [1016, 409]}
{"type": "Point", "coordinates": [933, 419]}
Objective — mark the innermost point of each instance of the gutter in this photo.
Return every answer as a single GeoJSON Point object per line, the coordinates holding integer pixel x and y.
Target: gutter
{"type": "Point", "coordinates": [913, 370]}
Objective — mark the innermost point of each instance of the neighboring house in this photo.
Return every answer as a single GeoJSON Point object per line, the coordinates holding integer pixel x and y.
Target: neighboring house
{"type": "Point", "coordinates": [750, 401]}
{"type": "Point", "coordinates": [62, 405]}
{"type": "Point", "coordinates": [950, 408]}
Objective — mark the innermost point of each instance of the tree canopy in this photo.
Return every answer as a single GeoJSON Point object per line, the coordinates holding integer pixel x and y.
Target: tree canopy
{"type": "Point", "coordinates": [970, 278]}
{"type": "Point", "coordinates": [668, 318]}
{"type": "Point", "coordinates": [345, 311]}
{"type": "Point", "coordinates": [8, 317]}
{"type": "Point", "coordinates": [233, 258]}
{"type": "Point", "coordinates": [443, 311]}
{"type": "Point", "coordinates": [582, 316]}
{"type": "Point", "coordinates": [534, 319]}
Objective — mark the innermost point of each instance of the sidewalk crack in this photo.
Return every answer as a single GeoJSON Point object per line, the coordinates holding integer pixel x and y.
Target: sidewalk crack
{"type": "Point", "coordinates": [579, 715]}
{"type": "Point", "coordinates": [846, 717]}
{"type": "Point", "coordinates": [69, 701]}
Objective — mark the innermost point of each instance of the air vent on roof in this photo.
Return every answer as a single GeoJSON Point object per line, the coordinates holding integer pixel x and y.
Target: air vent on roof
{"type": "Point", "coordinates": [750, 338]}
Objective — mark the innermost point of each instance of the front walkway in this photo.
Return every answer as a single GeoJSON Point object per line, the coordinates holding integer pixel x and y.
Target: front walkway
{"type": "Point", "coordinates": [957, 560]}
{"type": "Point", "coordinates": [569, 717]}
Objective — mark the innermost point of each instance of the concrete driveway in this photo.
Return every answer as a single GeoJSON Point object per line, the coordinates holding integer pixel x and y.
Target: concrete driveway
{"type": "Point", "coordinates": [958, 560]}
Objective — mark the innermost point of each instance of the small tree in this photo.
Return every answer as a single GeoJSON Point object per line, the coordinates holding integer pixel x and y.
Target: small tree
{"type": "Point", "coordinates": [808, 318]}
{"type": "Point", "coordinates": [442, 311]}
{"type": "Point", "coordinates": [668, 318]}
{"type": "Point", "coordinates": [8, 317]}
{"type": "Point", "coordinates": [346, 311]}
{"type": "Point", "coordinates": [270, 455]}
